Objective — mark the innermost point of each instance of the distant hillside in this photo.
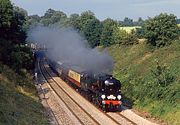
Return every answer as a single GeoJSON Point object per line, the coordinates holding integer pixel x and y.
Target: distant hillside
{"type": "Point", "coordinates": [19, 103]}
{"type": "Point", "coordinates": [135, 67]}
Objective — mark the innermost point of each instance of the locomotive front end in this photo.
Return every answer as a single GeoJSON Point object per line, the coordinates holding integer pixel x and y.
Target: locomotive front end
{"type": "Point", "coordinates": [111, 94]}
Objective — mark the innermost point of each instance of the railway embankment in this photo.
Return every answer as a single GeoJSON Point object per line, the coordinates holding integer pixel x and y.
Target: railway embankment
{"type": "Point", "coordinates": [150, 79]}
{"type": "Point", "coordinates": [19, 102]}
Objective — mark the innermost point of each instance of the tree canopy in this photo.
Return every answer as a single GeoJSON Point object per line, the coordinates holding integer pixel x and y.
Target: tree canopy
{"type": "Point", "coordinates": [6, 15]}
{"type": "Point", "coordinates": [109, 26]}
{"type": "Point", "coordinates": [13, 25]}
{"type": "Point", "coordinates": [161, 29]}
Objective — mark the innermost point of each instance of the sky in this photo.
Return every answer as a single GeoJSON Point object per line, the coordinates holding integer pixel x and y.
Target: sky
{"type": "Point", "coordinates": [115, 9]}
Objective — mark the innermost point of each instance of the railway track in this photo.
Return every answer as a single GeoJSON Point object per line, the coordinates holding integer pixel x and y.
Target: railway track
{"type": "Point", "coordinates": [121, 118]}
{"type": "Point", "coordinates": [83, 117]}
{"type": "Point", "coordinates": [86, 118]}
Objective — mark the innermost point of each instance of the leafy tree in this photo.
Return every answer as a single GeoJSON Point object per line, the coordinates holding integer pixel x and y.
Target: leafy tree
{"type": "Point", "coordinates": [107, 37]}
{"type": "Point", "coordinates": [140, 32]}
{"type": "Point", "coordinates": [140, 22]}
{"type": "Point", "coordinates": [92, 31]}
{"type": "Point", "coordinates": [12, 35]}
{"type": "Point", "coordinates": [161, 29]}
{"type": "Point", "coordinates": [121, 37]}
{"type": "Point", "coordinates": [88, 25]}
{"type": "Point", "coordinates": [128, 22]}
{"type": "Point", "coordinates": [33, 19]}
{"type": "Point", "coordinates": [19, 25]}
{"type": "Point", "coordinates": [74, 20]}
{"type": "Point", "coordinates": [49, 13]}
{"type": "Point", "coordinates": [5, 50]}
{"type": "Point", "coordinates": [51, 17]}
{"type": "Point", "coordinates": [58, 16]}
{"type": "Point", "coordinates": [178, 21]}
{"type": "Point", "coordinates": [84, 18]}
{"type": "Point", "coordinates": [21, 57]}
{"type": "Point", "coordinates": [6, 15]}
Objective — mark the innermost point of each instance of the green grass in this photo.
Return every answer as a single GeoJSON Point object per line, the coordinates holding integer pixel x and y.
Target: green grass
{"type": "Point", "coordinates": [133, 67]}
{"type": "Point", "coordinates": [19, 105]}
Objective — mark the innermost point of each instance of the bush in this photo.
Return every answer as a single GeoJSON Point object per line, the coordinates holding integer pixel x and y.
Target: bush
{"type": "Point", "coordinates": [161, 29]}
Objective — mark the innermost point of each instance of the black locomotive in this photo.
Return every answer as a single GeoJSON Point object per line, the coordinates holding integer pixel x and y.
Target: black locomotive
{"type": "Point", "coordinates": [101, 89]}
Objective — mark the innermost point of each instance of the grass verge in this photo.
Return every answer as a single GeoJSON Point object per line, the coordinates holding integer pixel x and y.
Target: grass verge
{"type": "Point", "coordinates": [19, 103]}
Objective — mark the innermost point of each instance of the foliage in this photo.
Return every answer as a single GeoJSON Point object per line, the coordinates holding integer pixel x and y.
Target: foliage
{"type": "Point", "coordinates": [151, 86]}
{"type": "Point", "coordinates": [21, 58]}
{"type": "Point", "coordinates": [140, 33]}
{"type": "Point", "coordinates": [5, 50]}
{"type": "Point", "coordinates": [19, 26]}
{"type": "Point", "coordinates": [6, 15]}
{"type": "Point", "coordinates": [74, 21]}
{"type": "Point", "coordinates": [33, 20]}
{"type": "Point", "coordinates": [127, 22]}
{"type": "Point", "coordinates": [161, 29]}
{"type": "Point", "coordinates": [92, 32]}
{"type": "Point", "coordinates": [51, 17]}
{"type": "Point", "coordinates": [130, 22]}
{"type": "Point", "coordinates": [96, 32]}
{"type": "Point", "coordinates": [178, 21]}
{"type": "Point", "coordinates": [121, 37]}
{"type": "Point", "coordinates": [13, 51]}
{"type": "Point", "coordinates": [162, 75]}
{"type": "Point", "coordinates": [108, 28]}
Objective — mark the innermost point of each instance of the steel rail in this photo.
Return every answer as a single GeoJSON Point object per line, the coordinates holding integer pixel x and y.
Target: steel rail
{"type": "Point", "coordinates": [94, 120]}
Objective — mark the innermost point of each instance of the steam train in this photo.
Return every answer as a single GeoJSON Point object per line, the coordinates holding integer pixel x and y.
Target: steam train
{"type": "Point", "coordinates": [101, 89]}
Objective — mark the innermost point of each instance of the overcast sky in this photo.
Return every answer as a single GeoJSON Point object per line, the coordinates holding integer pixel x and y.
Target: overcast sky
{"type": "Point", "coordinates": [115, 9]}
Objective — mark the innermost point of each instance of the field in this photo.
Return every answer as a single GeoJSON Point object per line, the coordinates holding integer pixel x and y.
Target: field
{"type": "Point", "coordinates": [134, 66]}
{"type": "Point", "coordinates": [129, 29]}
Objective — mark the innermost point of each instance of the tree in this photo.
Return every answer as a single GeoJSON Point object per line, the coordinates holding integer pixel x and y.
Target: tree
{"type": "Point", "coordinates": [51, 17]}
{"type": "Point", "coordinates": [84, 18]}
{"type": "Point", "coordinates": [6, 15]}
{"type": "Point", "coordinates": [74, 20]}
{"type": "Point", "coordinates": [178, 21]}
{"type": "Point", "coordinates": [19, 25]}
{"type": "Point", "coordinates": [161, 29]}
{"type": "Point", "coordinates": [109, 26]}
{"type": "Point", "coordinates": [121, 37]}
{"type": "Point", "coordinates": [33, 19]}
{"type": "Point", "coordinates": [128, 22]}
{"type": "Point", "coordinates": [92, 32]}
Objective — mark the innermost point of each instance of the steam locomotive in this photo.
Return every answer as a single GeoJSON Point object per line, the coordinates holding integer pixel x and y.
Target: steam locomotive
{"type": "Point", "coordinates": [101, 89]}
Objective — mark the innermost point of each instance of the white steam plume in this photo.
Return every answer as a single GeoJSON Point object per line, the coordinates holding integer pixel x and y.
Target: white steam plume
{"type": "Point", "coordinates": [66, 45]}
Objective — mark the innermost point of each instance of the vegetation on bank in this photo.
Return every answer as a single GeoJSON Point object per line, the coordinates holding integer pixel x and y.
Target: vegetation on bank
{"type": "Point", "coordinates": [19, 103]}
{"type": "Point", "coordinates": [150, 78]}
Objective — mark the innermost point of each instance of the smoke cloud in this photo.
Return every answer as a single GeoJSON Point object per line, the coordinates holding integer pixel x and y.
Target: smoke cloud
{"type": "Point", "coordinates": [68, 46]}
